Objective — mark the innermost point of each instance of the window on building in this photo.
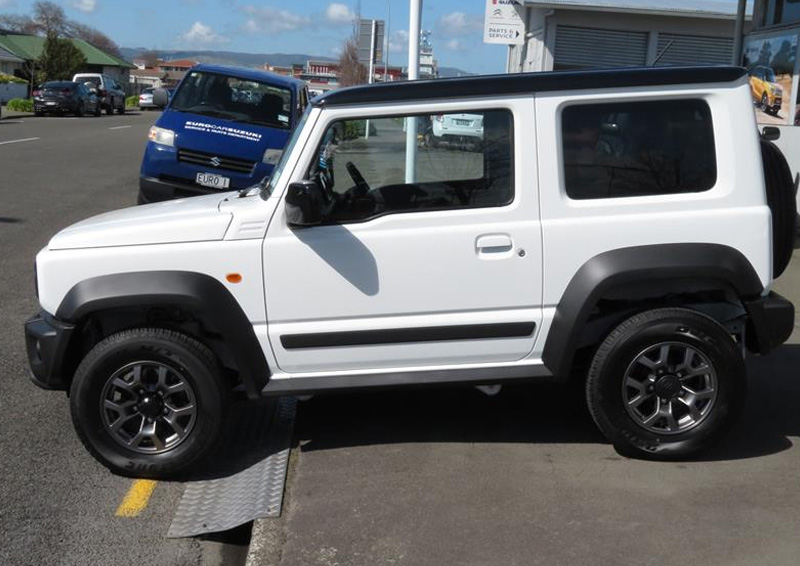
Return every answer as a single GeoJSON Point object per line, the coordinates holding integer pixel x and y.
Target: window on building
{"type": "Point", "coordinates": [638, 149]}
{"type": "Point", "coordinates": [781, 12]}
{"type": "Point", "coordinates": [463, 160]}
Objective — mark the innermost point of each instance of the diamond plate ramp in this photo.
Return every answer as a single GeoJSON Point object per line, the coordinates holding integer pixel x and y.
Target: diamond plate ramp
{"type": "Point", "coordinates": [222, 503]}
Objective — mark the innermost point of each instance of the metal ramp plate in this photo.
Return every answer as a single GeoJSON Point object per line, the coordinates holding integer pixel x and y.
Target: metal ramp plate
{"type": "Point", "coordinates": [222, 503]}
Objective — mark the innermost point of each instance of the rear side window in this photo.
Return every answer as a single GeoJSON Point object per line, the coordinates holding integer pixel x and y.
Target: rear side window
{"type": "Point", "coordinates": [638, 149]}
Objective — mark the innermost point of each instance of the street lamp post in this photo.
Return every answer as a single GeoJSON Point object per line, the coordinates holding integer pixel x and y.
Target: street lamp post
{"type": "Point", "coordinates": [413, 74]}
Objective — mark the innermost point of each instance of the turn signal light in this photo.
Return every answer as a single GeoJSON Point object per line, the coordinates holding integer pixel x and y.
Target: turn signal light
{"type": "Point", "coordinates": [234, 277]}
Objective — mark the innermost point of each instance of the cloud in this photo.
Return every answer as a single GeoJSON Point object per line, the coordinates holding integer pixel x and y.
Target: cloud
{"type": "Point", "coordinates": [454, 45]}
{"type": "Point", "coordinates": [398, 41]}
{"type": "Point", "coordinates": [265, 18]}
{"type": "Point", "coordinates": [87, 6]}
{"type": "Point", "coordinates": [339, 14]}
{"type": "Point", "coordinates": [8, 3]}
{"type": "Point", "coordinates": [459, 23]}
{"type": "Point", "coordinates": [200, 35]}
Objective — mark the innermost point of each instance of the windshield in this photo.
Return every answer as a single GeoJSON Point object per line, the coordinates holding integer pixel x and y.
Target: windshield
{"type": "Point", "coordinates": [232, 98]}
{"type": "Point", "coordinates": [268, 184]}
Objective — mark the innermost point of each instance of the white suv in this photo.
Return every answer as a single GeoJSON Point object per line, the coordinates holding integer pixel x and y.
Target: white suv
{"type": "Point", "coordinates": [616, 227]}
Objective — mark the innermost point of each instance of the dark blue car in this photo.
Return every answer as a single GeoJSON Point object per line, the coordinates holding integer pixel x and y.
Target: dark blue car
{"type": "Point", "coordinates": [224, 129]}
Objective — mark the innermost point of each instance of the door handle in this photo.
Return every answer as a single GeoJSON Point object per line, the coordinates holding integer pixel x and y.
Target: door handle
{"type": "Point", "coordinates": [494, 245]}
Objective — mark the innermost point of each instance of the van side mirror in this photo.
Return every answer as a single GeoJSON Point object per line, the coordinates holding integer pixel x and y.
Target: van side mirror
{"type": "Point", "coordinates": [304, 204]}
{"type": "Point", "coordinates": [771, 133]}
{"type": "Point", "coordinates": [160, 97]}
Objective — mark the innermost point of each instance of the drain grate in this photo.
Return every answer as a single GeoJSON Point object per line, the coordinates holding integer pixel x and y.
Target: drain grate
{"type": "Point", "coordinates": [220, 504]}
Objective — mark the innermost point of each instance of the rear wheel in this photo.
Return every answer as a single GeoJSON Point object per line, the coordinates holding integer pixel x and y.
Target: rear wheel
{"type": "Point", "coordinates": [149, 402]}
{"type": "Point", "coordinates": [110, 107]}
{"type": "Point", "coordinates": [121, 109]}
{"type": "Point", "coordinates": [98, 110]}
{"type": "Point", "coordinates": [79, 109]}
{"type": "Point", "coordinates": [666, 384]}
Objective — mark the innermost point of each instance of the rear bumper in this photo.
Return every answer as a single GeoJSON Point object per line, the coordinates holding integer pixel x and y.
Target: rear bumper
{"type": "Point", "coordinates": [771, 321]}
{"type": "Point", "coordinates": [57, 107]}
{"type": "Point", "coordinates": [46, 339]}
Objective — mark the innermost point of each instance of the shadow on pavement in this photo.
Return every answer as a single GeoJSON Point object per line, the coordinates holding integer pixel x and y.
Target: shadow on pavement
{"type": "Point", "coordinates": [10, 220]}
{"type": "Point", "coordinates": [538, 414]}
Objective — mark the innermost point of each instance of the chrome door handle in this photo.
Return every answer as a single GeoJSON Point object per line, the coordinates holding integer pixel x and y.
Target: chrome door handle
{"type": "Point", "coordinates": [494, 244]}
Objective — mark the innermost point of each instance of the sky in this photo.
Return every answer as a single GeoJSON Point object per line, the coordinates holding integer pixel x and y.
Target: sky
{"type": "Point", "coordinates": [312, 27]}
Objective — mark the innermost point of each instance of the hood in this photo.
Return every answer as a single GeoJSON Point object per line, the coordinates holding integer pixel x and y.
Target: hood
{"type": "Point", "coordinates": [223, 137]}
{"type": "Point", "coordinates": [196, 219]}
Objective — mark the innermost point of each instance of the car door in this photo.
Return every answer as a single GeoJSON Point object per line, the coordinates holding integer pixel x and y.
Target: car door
{"type": "Point", "coordinates": [438, 268]}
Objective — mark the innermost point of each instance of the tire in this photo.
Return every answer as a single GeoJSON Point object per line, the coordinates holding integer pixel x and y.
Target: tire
{"type": "Point", "coordinates": [121, 109]}
{"type": "Point", "coordinates": [98, 110]}
{"type": "Point", "coordinates": [110, 108]}
{"type": "Point", "coordinates": [781, 200]}
{"type": "Point", "coordinates": [164, 358]}
{"type": "Point", "coordinates": [628, 366]}
{"type": "Point", "coordinates": [79, 110]}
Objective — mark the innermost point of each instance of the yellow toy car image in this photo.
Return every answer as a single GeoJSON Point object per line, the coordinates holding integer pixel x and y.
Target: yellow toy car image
{"type": "Point", "coordinates": [767, 93]}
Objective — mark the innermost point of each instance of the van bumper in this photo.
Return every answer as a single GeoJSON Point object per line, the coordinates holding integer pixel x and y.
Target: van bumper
{"type": "Point", "coordinates": [771, 322]}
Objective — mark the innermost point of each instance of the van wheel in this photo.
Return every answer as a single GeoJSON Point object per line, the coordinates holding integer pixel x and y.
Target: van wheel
{"type": "Point", "coordinates": [781, 200]}
{"type": "Point", "coordinates": [149, 402]}
{"type": "Point", "coordinates": [665, 384]}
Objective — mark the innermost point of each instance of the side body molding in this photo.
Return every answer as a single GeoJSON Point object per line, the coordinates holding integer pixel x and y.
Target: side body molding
{"type": "Point", "coordinates": [645, 271]}
{"type": "Point", "coordinates": [196, 292]}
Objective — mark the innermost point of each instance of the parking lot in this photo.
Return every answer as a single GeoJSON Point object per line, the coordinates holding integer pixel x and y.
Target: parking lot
{"type": "Point", "coordinates": [418, 477]}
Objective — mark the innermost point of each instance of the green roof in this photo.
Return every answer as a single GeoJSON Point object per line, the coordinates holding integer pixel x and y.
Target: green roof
{"type": "Point", "coordinates": [30, 48]}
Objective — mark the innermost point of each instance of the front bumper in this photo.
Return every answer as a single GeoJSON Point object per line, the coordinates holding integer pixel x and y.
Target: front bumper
{"type": "Point", "coordinates": [770, 322]}
{"type": "Point", "coordinates": [47, 339]}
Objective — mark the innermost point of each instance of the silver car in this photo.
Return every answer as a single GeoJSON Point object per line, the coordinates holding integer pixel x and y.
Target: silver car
{"type": "Point", "coordinates": [146, 99]}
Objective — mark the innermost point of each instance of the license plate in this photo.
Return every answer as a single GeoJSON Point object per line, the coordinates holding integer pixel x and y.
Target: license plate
{"type": "Point", "coordinates": [463, 122]}
{"type": "Point", "coordinates": [213, 181]}
{"type": "Point", "coordinates": [50, 103]}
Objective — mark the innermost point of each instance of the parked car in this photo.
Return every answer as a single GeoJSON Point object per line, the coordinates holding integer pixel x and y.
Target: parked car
{"type": "Point", "coordinates": [59, 97]}
{"type": "Point", "coordinates": [609, 231]}
{"type": "Point", "coordinates": [455, 129]}
{"type": "Point", "coordinates": [766, 91]}
{"type": "Point", "coordinates": [111, 94]}
{"type": "Point", "coordinates": [146, 100]}
{"type": "Point", "coordinates": [224, 128]}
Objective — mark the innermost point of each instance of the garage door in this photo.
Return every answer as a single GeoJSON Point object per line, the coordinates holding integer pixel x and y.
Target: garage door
{"type": "Point", "coordinates": [694, 50]}
{"type": "Point", "coordinates": [587, 47]}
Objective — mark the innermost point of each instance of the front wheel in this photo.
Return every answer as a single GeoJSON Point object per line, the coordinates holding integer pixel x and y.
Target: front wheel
{"type": "Point", "coordinates": [666, 384]}
{"type": "Point", "coordinates": [149, 402]}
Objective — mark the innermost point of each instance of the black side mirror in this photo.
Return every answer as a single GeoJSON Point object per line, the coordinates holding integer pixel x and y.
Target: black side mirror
{"type": "Point", "coordinates": [160, 97]}
{"type": "Point", "coordinates": [771, 133]}
{"type": "Point", "coordinates": [304, 204]}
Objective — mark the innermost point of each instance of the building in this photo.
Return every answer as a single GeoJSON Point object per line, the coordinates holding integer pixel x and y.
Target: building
{"type": "Point", "coordinates": [29, 49]}
{"type": "Point", "coordinates": [579, 34]}
{"type": "Point", "coordinates": [428, 65]}
{"type": "Point", "coordinates": [9, 63]}
{"type": "Point", "coordinates": [172, 72]}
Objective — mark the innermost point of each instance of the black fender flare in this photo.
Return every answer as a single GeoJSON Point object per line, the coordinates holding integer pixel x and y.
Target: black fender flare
{"type": "Point", "coordinates": [666, 265]}
{"type": "Point", "coordinates": [196, 292]}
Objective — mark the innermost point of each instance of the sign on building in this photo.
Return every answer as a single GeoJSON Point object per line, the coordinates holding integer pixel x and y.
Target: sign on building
{"type": "Point", "coordinates": [365, 45]}
{"type": "Point", "coordinates": [504, 23]}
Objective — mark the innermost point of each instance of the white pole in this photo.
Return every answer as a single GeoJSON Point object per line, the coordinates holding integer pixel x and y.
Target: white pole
{"type": "Point", "coordinates": [414, 25]}
{"type": "Point", "coordinates": [371, 66]}
{"type": "Point", "coordinates": [386, 32]}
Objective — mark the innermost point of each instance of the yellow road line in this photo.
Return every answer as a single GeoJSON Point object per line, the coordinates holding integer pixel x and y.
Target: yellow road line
{"type": "Point", "coordinates": [136, 499]}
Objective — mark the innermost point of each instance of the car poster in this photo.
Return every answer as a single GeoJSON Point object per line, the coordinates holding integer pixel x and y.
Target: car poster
{"type": "Point", "coordinates": [771, 63]}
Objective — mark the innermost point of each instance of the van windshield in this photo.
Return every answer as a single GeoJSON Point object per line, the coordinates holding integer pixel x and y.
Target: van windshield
{"type": "Point", "coordinates": [233, 98]}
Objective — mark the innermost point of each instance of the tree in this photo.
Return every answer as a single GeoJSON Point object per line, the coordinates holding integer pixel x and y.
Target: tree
{"type": "Point", "coordinates": [351, 71]}
{"type": "Point", "coordinates": [50, 18]}
{"type": "Point", "coordinates": [93, 36]}
{"type": "Point", "coordinates": [19, 24]}
{"type": "Point", "coordinates": [60, 59]}
{"type": "Point", "coordinates": [150, 58]}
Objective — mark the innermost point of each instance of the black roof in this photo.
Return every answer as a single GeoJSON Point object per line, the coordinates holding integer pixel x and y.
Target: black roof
{"type": "Point", "coordinates": [485, 85]}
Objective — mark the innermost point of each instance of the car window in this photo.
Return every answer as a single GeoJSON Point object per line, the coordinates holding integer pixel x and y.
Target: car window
{"type": "Point", "coordinates": [462, 161]}
{"type": "Point", "coordinates": [638, 149]}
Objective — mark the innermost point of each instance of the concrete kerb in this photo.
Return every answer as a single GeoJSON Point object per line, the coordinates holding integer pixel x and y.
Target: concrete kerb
{"type": "Point", "coordinates": [13, 114]}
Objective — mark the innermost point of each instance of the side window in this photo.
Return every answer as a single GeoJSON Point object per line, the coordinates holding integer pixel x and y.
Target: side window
{"type": "Point", "coordinates": [638, 149]}
{"type": "Point", "coordinates": [463, 160]}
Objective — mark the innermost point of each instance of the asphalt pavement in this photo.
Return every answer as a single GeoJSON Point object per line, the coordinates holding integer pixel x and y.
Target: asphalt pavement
{"type": "Point", "coordinates": [57, 505]}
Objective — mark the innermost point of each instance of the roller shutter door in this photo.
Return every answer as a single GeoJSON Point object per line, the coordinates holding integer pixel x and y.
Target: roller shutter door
{"type": "Point", "coordinates": [587, 47]}
{"type": "Point", "coordinates": [694, 50]}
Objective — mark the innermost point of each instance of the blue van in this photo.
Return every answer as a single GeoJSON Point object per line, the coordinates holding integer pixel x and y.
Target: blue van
{"type": "Point", "coordinates": [224, 129]}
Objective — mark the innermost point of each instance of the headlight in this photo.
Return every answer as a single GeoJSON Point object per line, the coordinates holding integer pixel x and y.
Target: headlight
{"type": "Point", "coordinates": [161, 136]}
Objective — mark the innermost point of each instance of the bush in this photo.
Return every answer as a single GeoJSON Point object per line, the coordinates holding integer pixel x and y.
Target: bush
{"type": "Point", "coordinates": [20, 104]}
{"type": "Point", "coordinates": [6, 79]}
{"type": "Point", "coordinates": [132, 101]}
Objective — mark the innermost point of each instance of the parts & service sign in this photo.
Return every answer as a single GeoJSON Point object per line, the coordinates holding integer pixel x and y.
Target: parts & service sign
{"type": "Point", "coordinates": [503, 23]}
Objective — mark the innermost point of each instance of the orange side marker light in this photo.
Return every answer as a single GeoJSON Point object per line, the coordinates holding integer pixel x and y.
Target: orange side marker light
{"type": "Point", "coordinates": [234, 277]}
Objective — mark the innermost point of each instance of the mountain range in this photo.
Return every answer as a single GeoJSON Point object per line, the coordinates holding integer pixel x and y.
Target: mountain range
{"type": "Point", "coordinates": [252, 59]}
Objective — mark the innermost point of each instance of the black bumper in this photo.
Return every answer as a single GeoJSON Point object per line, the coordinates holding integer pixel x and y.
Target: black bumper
{"type": "Point", "coordinates": [47, 339]}
{"type": "Point", "coordinates": [771, 321]}
{"type": "Point", "coordinates": [156, 190]}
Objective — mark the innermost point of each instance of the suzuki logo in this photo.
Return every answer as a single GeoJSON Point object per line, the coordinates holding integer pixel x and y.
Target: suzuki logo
{"type": "Point", "coordinates": [215, 161]}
